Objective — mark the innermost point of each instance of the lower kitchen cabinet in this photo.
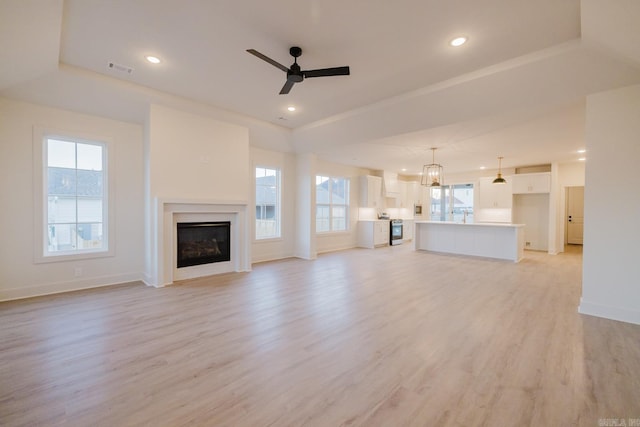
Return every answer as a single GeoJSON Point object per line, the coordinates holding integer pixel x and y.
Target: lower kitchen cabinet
{"type": "Point", "coordinates": [408, 226]}
{"type": "Point", "coordinates": [373, 233]}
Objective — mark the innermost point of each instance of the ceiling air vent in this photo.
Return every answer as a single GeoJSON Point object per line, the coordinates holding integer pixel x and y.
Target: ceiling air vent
{"type": "Point", "coordinates": [120, 68]}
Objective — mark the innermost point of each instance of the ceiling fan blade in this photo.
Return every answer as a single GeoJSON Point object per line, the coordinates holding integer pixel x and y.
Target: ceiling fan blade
{"type": "Point", "coordinates": [287, 87]}
{"type": "Point", "coordinates": [267, 59]}
{"type": "Point", "coordinates": [326, 72]}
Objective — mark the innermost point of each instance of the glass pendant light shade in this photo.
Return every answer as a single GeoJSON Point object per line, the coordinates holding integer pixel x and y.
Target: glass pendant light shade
{"type": "Point", "coordinates": [432, 174]}
{"type": "Point", "coordinates": [499, 179]}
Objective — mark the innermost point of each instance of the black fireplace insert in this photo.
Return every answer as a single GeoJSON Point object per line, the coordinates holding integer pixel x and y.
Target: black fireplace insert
{"type": "Point", "coordinates": [203, 243]}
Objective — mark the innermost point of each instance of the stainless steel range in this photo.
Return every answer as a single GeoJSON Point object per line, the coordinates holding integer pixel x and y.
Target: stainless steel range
{"type": "Point", "coordinates": [395, 237]}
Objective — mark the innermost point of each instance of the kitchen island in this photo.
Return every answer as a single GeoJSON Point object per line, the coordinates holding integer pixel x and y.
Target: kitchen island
{"type": "Point", "coordinates": [491, 240]}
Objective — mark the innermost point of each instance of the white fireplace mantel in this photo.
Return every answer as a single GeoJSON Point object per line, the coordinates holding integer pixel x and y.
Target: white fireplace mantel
{"type": "Point", "coordinates": [163, 241]}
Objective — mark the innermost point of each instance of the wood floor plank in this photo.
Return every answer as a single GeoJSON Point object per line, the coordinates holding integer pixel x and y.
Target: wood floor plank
{"type": "Point", "coordinates": [355, 338]}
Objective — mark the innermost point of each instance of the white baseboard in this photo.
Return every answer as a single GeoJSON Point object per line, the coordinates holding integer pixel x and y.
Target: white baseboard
{"type": "Point", "coordinates": [609, 312]}
{"type": "Point", "coordinates": [59, 287]}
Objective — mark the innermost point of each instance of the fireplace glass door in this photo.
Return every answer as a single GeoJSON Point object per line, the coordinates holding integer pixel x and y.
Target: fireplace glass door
{"type": "Point", "coordinates": [203, 243]}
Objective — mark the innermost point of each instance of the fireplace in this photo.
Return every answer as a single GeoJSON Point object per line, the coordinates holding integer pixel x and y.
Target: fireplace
{"type": "Point", "coordinates": [203, 243]}
{"type": "Point", "coordinates": [168, 213]}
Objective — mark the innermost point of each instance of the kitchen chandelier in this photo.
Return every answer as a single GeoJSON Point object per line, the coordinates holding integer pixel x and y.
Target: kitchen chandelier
{"type": "Point", "coordinates": [432, 174]}
{"type": "Point", "coordinates": [499, 179]}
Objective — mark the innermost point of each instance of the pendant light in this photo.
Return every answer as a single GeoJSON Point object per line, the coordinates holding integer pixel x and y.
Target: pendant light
{"type": "Point", "coordinates": [432, 174]}
{"type": "Point", "coordinates": [500, 179]}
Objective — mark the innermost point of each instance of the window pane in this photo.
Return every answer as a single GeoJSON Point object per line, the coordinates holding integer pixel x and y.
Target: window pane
{"type": "Point", "coordinates": [339, 218]}
{"type": "Point", "coordinates": [62, 237]}
{"type": "Point", "coordinates": [61, 154]}
{"type": "Point", "coordinates": [89, 210]}
{"type": "Point", "coordinates": [61, 209]}
{"type": "Point", "coordinates": [332, 203]}
{"type": "Point", "coordinates": [61, 181]}
{"type": "Point", "coordinates": [463, 202]}
{"type": "Point", "coordinates": [75, 196]}
{"type": "Point", "coordinates": [90, 183]}
{"type": "Point", "coordinates": [339, 192]}
{"type": "Point", "coordinates": [322, 190]}
{"type": "Point", "coordinates": [89, 157]}
{"type": "Point", "coordinates": [267, 203]}
{"type": "Point", "coordinates": [322, 218]}
{"type": "Point", "coordinates": [90, 236]}
{"type": "Point", "coordinates": [440, 203]}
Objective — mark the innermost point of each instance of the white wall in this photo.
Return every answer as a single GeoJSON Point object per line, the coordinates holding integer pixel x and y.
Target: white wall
{"type": "Point", "coordinates": [571, 174]}
{"type": "Point", "coordinates": [533, 211]}
{"type": "Point", "coordinates": [305, 206]}
{"type": "Point", "coordinates": [270, 249]}
{"type": "Point", "coordinates": [19, 276]}
{"type": "Point", "coordinates": [611, 271]}
{"type": "Point", "coordinates": [196, 157]}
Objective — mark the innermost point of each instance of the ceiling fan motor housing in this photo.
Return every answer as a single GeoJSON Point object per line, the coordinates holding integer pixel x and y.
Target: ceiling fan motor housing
{"type": "Point", "coordinates": [295, 74]}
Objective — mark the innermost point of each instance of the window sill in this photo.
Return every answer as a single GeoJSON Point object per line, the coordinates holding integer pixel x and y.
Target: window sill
{"type": "Point", "coordinates": [269, 240]}
{"type": "Point", "coordinates": [43, 259]}
{"type": "Point", "coordinates": [332, 233]}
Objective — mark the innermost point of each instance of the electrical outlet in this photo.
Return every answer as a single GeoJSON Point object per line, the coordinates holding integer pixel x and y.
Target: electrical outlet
{"type": "Point", "coordinates": [78, 271]}
{"type": "Point", "coordinates": [527, 243]}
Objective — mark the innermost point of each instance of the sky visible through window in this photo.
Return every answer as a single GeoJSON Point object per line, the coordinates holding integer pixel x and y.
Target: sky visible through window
{"type": "Point", "coordinates": [61, 154]}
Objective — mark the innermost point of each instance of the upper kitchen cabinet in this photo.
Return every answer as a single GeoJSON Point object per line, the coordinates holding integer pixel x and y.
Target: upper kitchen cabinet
{"type": "Point", "coordinates": [531, 183]}
{"type": "Point", "coordinates": [391, 185]}
{"type": "Point", "coordinates": [495, 196]}
{"type": "Point", "coordinates": [371, 192]}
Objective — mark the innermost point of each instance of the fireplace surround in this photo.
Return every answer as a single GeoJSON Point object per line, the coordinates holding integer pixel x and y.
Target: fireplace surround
{"type": "Point", "coordinates": [167, 213]}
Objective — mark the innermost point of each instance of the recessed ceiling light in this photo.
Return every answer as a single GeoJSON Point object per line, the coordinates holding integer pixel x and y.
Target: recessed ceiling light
{"type": "Point", "coordinates": [458, 41]}
{"type": "Point", "coordinates": [483, 167]}
{"type": "Point", "coordinates": [152, 59]}
{"type": "Point", "coordinates": [582, 151]}
{"type": "Point", "coordinates": [404, 169]}
{"type": "Point", "coordinates": [291, 108]}
{"type": "Point", "coordinates": [582, 159]}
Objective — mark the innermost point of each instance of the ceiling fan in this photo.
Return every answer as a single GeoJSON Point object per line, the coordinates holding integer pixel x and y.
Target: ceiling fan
{"type": "Point", "coordinates": [294, 73]}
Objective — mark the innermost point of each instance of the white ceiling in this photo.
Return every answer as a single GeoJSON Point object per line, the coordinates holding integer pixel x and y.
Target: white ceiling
{"type": "Point", "coordinates": [517, 88]}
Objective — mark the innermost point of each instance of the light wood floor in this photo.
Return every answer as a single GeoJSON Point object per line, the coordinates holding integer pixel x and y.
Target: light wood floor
{"type": "Point", "coordinates": [385, 337]}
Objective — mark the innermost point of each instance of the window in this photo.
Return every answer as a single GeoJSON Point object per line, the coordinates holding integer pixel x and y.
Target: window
{"type": "Point", "coordinates": [75, 196]}
{"type": "Point", "coordinates": [452, 203]}
{"type": "Point", "coordinates": [267, 203]}
{"type": "Point", "coordinates": [332, 204]}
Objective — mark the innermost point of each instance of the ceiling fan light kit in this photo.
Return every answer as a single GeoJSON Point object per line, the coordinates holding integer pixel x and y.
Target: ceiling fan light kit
{"type": "Point", "coordinates": [294, 73]}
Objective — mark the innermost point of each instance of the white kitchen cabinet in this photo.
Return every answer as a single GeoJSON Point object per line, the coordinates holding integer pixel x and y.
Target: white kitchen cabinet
{"type": "Point", "coordinates": [390, 186]}
{"type": "Point", "coordinates": [373, 233]}
{"type": "Point", "coordinates": [402, 195]}
{"type": "Point", "coordinates": [408, 226]}
{"type": "Point", "coordinates": [531, 183]}
{"type": "Point", "coordinates": [495, 196]}
{"type": "Point", "coordinates": [416, 195]}
{"type": "Point", "coordinates": [371, 192]}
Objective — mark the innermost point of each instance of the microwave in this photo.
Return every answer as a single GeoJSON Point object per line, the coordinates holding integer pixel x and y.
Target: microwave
{"type": "Point", "coordinates": [417, 210]}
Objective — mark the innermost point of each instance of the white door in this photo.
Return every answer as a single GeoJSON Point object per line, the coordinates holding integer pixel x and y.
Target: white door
{"type": "Point", "coordinates": [575, 215]}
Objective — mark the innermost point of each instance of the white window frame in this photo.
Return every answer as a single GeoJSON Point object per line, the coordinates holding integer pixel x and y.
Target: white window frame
{"type": "Point", "coordinates": [347, 205]}
{"type": "Point", "coordinates": [40, 193]}
{"type": "Point", "coordinates": [278, 207]}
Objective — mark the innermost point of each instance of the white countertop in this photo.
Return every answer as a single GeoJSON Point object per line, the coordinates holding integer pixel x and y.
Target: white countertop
{"type": "Point", "coordinates": [481, 224]}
